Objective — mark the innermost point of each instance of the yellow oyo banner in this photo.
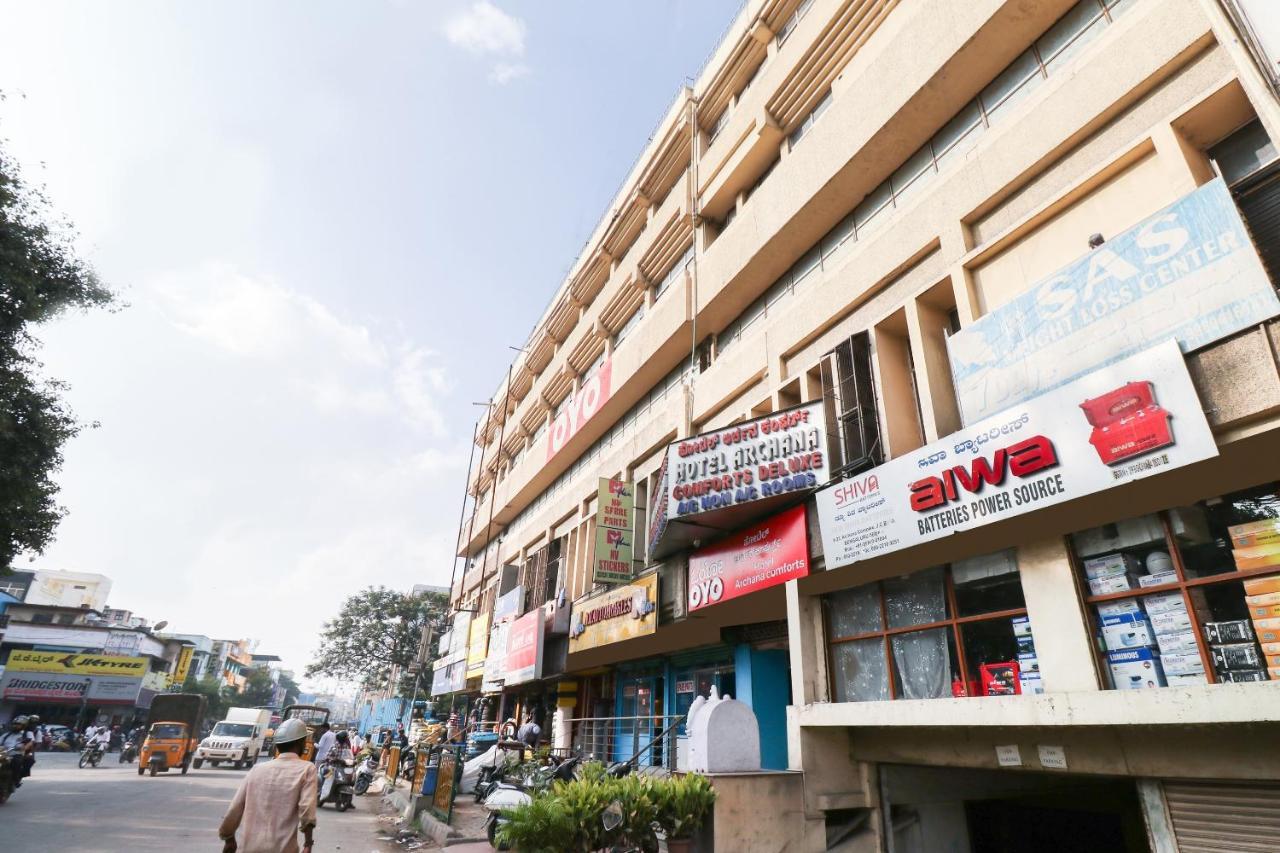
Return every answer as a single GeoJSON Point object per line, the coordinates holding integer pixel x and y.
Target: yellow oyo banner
{"type": "Point", "coordinates": [615, 614]}
{"type": "Point", "coordinates": [74, 664]}
{"type": "Point", "coordinates": [477, 645]}
{"type": "Point", "coordinates": [183, 666]}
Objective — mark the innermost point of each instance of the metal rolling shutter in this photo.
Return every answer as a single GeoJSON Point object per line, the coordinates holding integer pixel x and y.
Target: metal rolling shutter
{"type": "Point", "coordinates": [1258, 198]}
{"type": "Point", "coordinates": [1224, 817]}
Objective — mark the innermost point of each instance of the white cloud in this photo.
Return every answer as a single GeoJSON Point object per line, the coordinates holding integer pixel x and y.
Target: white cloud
{"type": "Point", "coordinates": [504, 72]}
{"type": "Point", "coordinates": [484, 28]}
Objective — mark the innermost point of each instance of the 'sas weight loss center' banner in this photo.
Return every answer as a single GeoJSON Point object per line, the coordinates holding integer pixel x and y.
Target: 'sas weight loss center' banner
{"type": "Point", "coordinates": [1136, 417]}
{"type": "Point", "coordinates": [1189, 273]}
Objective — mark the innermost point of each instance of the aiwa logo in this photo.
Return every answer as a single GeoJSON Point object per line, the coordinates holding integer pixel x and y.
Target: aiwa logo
{"type": "Point", "coordinates": [1021, 460]}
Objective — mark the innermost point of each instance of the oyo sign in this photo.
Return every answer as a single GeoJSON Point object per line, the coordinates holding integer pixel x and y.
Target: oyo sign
{"type": "Point", "coordinates": [593, 394]}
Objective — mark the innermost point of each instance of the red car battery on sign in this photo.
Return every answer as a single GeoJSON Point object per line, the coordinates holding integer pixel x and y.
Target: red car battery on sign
{"type": "Point", "coordinates": [1127, 422]}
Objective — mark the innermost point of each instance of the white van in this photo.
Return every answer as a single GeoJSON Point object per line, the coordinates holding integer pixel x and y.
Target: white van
{"type": "Point", "coordinates": [237, 739]}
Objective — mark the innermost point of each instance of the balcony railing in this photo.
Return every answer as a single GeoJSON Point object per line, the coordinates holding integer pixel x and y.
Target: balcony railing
{"type": "Point", "coordinates": [655, 744]}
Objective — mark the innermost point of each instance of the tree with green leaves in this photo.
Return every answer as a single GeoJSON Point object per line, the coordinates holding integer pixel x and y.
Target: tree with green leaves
{"type": "Point", "coordinates": [41, 276]}
{"type": "Point", "coordinates": [259, 688]}
{"type": "Point", "coordinates": [376, 630]}
{"type": "Point", "coordinates": [216, 693]}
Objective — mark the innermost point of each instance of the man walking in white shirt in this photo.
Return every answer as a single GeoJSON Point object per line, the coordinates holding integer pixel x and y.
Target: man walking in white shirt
{"type": "Point", "coordinates": [276, 800]}
{"type": "Point", "coordinates": [324, 743]}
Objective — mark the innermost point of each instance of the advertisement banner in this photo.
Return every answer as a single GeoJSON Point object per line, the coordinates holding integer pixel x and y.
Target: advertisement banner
{"type": "Point", "coordinates": [183, 666]}
{"type": "Point", "coordinates": [658, 508]}
{"type": "Point", "coordinates": [495, 665]}
{"type": "Point", "coordinates": [477, 645]}
{"type": "Point", "coordinates": [122, 643]}
{"type": "Point", "coordinates": [524, 649]}
{"type": "Point", "coordinates": [762, 458]}
{"type": "Point", "coordinates": [1132, 419]}
{"type": "Point", "coordinates": [593, 394]}
{"type": "Point", "coordinates": [74, 664]}
{"type": "Point", "coordinates": [62, 687]}
{"type": "Point", "coordinates": [613, 555]}
{"type": "Point", "coordinates": [508, 605]}
{"type": "Point", "coordinates": [616, 614]}
{"type": "Point", "coordinates": [1190, 272]}
{"type": "Point", "coordinates": [764, 555]}
{"type": "Point", "coordinates": [440, 681]}
{"type": "Point", "coordinates": [615, 504]}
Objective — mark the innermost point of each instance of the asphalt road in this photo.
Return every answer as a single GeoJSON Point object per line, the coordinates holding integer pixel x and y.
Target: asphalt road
{"type": "Point", "coordinates": [108, 808]}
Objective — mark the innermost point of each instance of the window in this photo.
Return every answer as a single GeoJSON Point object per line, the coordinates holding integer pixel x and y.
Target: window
{"type": "Point", "coordinates": [1187, 596]}
{"type": "Point", "coordinates": [675, 271]}
{"type": "Point", "coordinates": [719, 124]}
{"type": "Point", "coordinates": [807, 123]}
{"type": "Point", "coordinates": [789, 25]}
{"type": "Point", "coordinates": [627, 327]}
{"type": "Point", "coordinates": [594, 366]}
{"type": "Point", "coordinates": [958, 630]}
{"type": "Point", "coordinates": [848, 392]}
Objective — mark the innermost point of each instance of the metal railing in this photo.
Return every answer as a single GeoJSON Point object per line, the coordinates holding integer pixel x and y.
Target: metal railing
{"type": "Point", "coordinates": [653, 743]}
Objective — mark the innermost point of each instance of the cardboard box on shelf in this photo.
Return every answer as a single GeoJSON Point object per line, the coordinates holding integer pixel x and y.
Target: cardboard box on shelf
{"type": "Point", "coordinates": [1272, 660]}
{"type": "Point", "coordinates": [1111, 564]}
{"type": "Point", "coordinates": [1179, 643]}
{"type": "Point", "coordinates": [1274, 672]}
{"type": "Point", "coordinates": [1272, 648]}
{"type": "Point", "coordinates": [1268, 630]}
{"type": "Point", "coordinates": [1237, 676]}
{"type": "Point", "coordinates": [1262, 586]}
{"type": "Point", "coordinates": [1185, 680]}
{"type": "Point", "coordinates": [1264, 611]}
{"type": "Point", "coordinates": [1234, 631]}
{"type": "Point", "coordinates": [1255, 533]}
{"type": "Point", "coordinates": [1182, 663]}
{"type": "Point", "coordinates": [1028, 663]}
{"type": "Point", "coordinates": [1021, 626]}
{"type": "Point", "coordinates": [1164, 602]}
{"type": "Point", "coordinates": [1261, 600]}
{"type": "Point", "coordinates": [1112, 608]}
{"type": "Point", "coordinates": [1159, 579]}
{"type": "Point", "coordinates": [1171, 622]}
{"type": "Point", "coordinates": [1135, 669]}
{"type": "Point", "coordinates": [1031, 683]}
{"type": "Point", "coordinates": [1126, 631]}
{"type": "Point", "coordinates": [1236, 656]}
{"type": "Point", "coordinates": [1107, 584]}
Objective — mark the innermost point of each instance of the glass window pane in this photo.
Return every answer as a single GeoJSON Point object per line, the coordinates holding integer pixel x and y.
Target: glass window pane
{"type": "Point", "coordinates": [957, 129]}
{"type": "Point", "coordinates": [987, 584]}
{"type": "Point", "coordinates": [808, 262]}
{"type": "Point", "coordinates": [922, 663]}
{"type": "Point", "coordinates": [1115, 556]}
{"type": "Point", "coordinates": [854, 611]}
{"type": "Point", "coordinates": [859, 671]}
{"type": "Point", "coordinates": [1119, 7]}
{"type": "Point", "coordinates": [1243, 152]}
{"type": "Point", "coordinates": [1233, 532]}
{"type": "Point", "coordinates": [1072, 32]}
{"type": "Point", "coordinates": [992, 641]}
{"type": "Point", "coordinates": [837, 235]}
{"type": "Point", "coordinates": [877, 200]}
{"type": "Point", "coordinates": [916, 165]}
{"type": "Point", "coordinates": [1012, 86]}
{"type": "Point", "coordinates": [916, 599]}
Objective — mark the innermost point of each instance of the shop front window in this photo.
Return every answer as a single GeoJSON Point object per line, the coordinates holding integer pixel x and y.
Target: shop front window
{"type": "Point", "coordinates": [955, 630]}
{"type": "Point", "coordinates": [1187, 596]}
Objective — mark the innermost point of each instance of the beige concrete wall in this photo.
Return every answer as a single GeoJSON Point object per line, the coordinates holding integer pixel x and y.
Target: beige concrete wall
{"type": "Point", "coordinates": [763, 812]}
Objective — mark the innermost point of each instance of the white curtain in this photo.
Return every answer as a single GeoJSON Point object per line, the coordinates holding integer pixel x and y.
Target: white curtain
{"type": "Point", "coordinates": [922, 657]}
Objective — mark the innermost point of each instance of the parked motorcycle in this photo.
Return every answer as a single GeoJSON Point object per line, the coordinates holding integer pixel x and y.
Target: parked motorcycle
{"type": "Point", "coordinates": [337, 783]}
{"type": "Point", "coordinates": [507, 795]}
{"type": "Point", "coordinates": [129, 752]}
{"type": "Point", "coordinates": [365, 775]}
{"type": "Point", "coordinates": [91, 756]}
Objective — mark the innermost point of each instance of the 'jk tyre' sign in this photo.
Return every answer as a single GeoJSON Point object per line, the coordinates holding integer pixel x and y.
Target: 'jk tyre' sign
{"type": "Point", "coordinates": [593, 394]}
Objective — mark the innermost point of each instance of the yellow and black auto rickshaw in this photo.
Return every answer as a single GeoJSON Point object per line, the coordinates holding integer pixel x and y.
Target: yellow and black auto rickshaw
{"type": "Point", "coordinates": [173, 732]}
{"type": "Point", "coordinates": [313, 716]}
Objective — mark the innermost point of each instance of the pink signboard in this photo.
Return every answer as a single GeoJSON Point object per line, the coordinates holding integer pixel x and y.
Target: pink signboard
{"type": "Point", "coordinates": [593, 394]}
{"type": "Point", "coordinates": [764, 555]}
{"type": "Point", "coordinates": [524, 648]}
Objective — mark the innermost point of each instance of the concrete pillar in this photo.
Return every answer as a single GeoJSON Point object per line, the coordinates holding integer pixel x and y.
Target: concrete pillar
{"type": "Point", "coordinates": [1057, 616]}
{"type": "Point", "coordinates": [1155, 816]}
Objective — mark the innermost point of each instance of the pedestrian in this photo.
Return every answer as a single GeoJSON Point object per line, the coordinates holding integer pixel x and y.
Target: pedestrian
{"type": "Point", "coordinates": [530, 733]}
{"type": "Point", "coordinates": [324, 743]}
{"type": "Point", "coordinates": [401, 737]}
{"type": "Point", "coordinates": [276, 800]}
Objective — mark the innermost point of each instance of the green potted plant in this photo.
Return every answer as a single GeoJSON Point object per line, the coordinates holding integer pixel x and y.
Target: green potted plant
{"type": "Point", "coordinates": [682, 805]}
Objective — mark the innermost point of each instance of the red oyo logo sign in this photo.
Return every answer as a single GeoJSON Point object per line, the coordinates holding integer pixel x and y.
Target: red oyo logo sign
{"type": "Point", "coordinates": [767, 554]}
{"type": "Point", "coordinates": [593, 394]}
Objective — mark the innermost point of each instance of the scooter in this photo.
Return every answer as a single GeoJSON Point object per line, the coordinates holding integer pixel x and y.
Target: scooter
{"type": "Point", "coordinates": [337, 783]}
{"type": "Point", "coordinates": [365, 775]}
{"type": "Point", "coordinates": [507, 796]}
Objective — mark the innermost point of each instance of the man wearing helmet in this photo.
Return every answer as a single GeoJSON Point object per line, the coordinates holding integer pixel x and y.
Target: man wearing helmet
{"type": "Point", "coordinates": [276, 799]}
{"type": "Point", "coordinates": [20, 738]}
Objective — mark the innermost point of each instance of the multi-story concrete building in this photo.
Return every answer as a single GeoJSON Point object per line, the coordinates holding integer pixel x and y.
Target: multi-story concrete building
{"type": "Point", "coordinates": [58, 588]}
{"type": "Point", "coordinates": [975, 286]}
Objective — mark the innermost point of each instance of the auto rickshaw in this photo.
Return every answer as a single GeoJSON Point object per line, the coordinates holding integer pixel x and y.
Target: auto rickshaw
{"type": "Point", "coordinates": [173, 724]}
{"type": "Point", "coordinates": [313, 716]}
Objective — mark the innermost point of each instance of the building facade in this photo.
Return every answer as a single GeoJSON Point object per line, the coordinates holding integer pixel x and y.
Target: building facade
{"type": "Point", "coordinates": [920, 389]}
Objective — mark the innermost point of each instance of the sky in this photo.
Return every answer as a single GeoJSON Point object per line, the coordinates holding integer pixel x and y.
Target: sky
{"type": "Point", "coordinates": [326, 223]}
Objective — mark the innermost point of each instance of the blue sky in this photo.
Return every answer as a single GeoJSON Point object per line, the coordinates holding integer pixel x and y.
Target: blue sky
{"type": "Point", "coordinates": [329, 220]}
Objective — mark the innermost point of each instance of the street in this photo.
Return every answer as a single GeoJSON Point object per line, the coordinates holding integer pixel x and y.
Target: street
{"type": "Point", "coordinates": [63, 808]}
